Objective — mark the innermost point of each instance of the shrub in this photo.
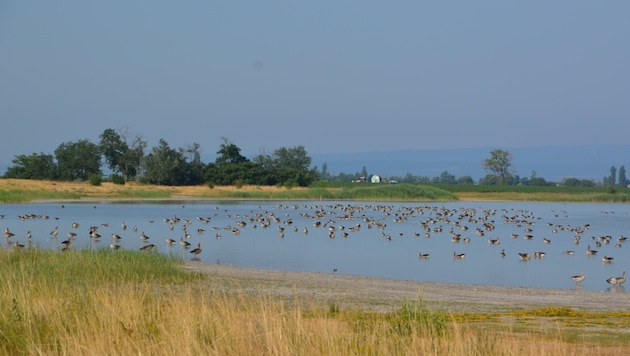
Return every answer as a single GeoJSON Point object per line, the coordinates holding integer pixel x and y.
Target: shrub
{"type": "Point", "coordinates": [118, 179]}
{"type": "Point", "coordinates": [95, 179]}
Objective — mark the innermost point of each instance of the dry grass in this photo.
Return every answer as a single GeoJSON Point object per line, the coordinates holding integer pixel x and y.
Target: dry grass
{"type": "Point", "coordinates": [126, 302]}
{"type": "Point", "coordinates": [130, 190]}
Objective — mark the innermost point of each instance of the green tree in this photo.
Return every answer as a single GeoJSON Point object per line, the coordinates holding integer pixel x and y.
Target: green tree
{"type": "Point", "coordinates": [34, 166]}
{"type": "Point", "coordinates": [623, 181]}
{"type": "Point", "coordinates": [78, 160]}
{"type": "Point", "coordinates": [164, 165]}
{"type": "Point", "coordinates": [231, 167]}
{"type": "Point", "coordinates": [364, 173]}
{"type": "Point", "coordinates": [122, 156]}
{"type": "Point", "coordinates": [287, 166]}
{"type": "Point", "coordinates": [465, 180]}
{"type": "Point", "coordinates": [612, 178]}
{"type": "Point", "coordinates": [446, 178]}
{"type": "Point", "coordinates": [229, 153]}
{"type": "Point", "coordinates": [499, 164]}
{"type": "Point", "coordinates": [194, 166]}
{"type": "Point", "coordinates": [574, 182]}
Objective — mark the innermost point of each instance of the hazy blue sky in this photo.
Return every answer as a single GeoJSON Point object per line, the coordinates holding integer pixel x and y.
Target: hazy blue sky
{"type": "Point", "coordinates": [334, 76]}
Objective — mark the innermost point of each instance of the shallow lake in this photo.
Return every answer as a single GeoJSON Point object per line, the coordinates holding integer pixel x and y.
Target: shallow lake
{"type": "Point", "coordinates": [359, 238]}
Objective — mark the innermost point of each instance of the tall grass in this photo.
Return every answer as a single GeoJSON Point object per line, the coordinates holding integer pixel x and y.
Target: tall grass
{"type": "Point", "coordinates": [128, 302]}
{"type": "Point", "coordinates": [21, 196]}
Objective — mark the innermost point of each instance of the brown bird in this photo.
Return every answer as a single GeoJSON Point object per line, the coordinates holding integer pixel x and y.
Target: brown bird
{"type": "Point", "coordinates": [148, 247]}
{"type": "Point", "coordinates": [579, 278]}
{"type": "Point", "coordinates": [197, 250]}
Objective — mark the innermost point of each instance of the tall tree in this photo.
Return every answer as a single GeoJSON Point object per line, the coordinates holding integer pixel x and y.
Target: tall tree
{"type": "Point", "coordinates": [122, 156]}
{"type": "Point", "coordinates": [78, 160]}
{"type": "Point", "coordinates": [194, 166]}
{"type": "Point", "coordinates": [499, 164]}
{"type": "Point", "coordinates": [612, 178]}
{"type": "Point", "coordinates": [164, 165]}
{"type": "Point", "coordinates": [623, 182]}
{"type": "Point", "coordinates": [229, 153]}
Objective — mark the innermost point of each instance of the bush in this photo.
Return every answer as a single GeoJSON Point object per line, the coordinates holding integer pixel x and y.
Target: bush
{"type": "Point", "coordinates": [210, 185]}
{"type": "Point", "coordinates": [118, 179]}
{"type": "Point", "coordinates": [95, 180]}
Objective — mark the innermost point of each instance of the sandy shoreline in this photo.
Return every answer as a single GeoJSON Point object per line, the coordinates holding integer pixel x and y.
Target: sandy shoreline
{"type": "Point", "coordinates": [378, 294]}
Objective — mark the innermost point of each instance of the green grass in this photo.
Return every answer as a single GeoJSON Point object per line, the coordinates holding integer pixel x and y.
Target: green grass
{"type": "Point", "coordinates": [142, 194]}
{"type": "Point", "coordinates": [20, 196]}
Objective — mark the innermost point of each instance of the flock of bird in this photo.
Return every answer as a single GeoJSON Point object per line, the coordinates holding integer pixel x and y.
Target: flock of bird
{"type": "Point", "coordinates": [463, 225]}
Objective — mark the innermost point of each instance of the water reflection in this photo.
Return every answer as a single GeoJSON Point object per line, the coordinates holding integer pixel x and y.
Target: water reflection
{"type": "Point", "coordinates": [499, 243]}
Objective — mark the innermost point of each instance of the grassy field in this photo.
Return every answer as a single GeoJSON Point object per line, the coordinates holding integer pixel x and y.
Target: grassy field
{"type": "Point", "coordinates": [128, 302]}
{"type": "Point", "coordinates": [16, 191]}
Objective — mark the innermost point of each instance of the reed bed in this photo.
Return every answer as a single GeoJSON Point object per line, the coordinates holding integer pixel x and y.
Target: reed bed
{"type": "Point", "coordinates": [130, 302]}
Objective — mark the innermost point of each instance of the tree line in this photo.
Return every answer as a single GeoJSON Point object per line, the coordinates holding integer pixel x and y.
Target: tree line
{"type": "Point", "coordinates": [125, 156]}
{"type": "Point", "coordinates": [499, 172]}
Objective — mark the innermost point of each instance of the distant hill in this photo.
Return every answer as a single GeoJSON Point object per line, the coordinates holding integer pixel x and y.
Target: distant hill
{"type": "Point", "coordinates": [553, 163]}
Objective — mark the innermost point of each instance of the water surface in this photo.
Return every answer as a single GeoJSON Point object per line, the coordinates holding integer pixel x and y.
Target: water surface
{"type": "Point", "coordinates": [371, 239]}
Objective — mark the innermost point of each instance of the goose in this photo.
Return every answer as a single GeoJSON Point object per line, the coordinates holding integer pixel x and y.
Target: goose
{"type": "Point", "coordinates": [423, 255]}
{"type": "Point", "coordinates": [458, 256]}
{"type": "Point", "coordinates": [184, 243]}
{"type": "Point", "coordinates": [7, 233]}
{"type": "Point", "coordinates": [539, 254]}
{"type": "Point", "coordinates": [29, 235]}
{"type": "Point", "coordinates": [116, 237]}
{"type": "Point", "coordinates": [17, 245]}
{"type": "Point", "coordinates": [148, 247]}
{"type": "Point", "coordinates": [590, 252]}
{"type": "Point", "coordinates": [494, 241]}
{"type": "Point", "coordinates": [67, 243]}
{"type": "Point", "coordinates": [607, 259]}
{"type": "Point", "coordinates": [612, 281]}
{"type": "Point", "coordinates": [170, 241]}
{"type": "Point", "coordinates": [113, 246]}
{"type": "Point", "coordinates": [569, 252]}
{"type": "Point", "coordinates": [143, 236]}
{"type": "Point", "coordinates": [197, 250]}
{"type": "Point", "coordinates": [123, 225]}
{"type": "Point", "coordinates": [502, 254]}
{"type": "Point", "coordinates": [622, 279]}
{"type": "Point", "coordinates": [546, 241]}
{"type": "Point", "coordinates": [579, 278]}
{"type": "Point", "coordinates": [524, 256]}
{"type": "Point", "coordinates": [55, 232]}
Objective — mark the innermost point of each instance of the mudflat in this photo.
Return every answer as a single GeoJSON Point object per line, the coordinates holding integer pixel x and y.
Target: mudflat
{"type": "Point", "coordinates": [378, 294]}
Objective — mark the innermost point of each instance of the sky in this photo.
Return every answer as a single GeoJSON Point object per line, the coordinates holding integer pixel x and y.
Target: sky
{"type": "Point", "coordinates": [333, 76]}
